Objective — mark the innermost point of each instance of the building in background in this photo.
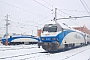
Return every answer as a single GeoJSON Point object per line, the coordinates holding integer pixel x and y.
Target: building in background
{"type": "Point", "coordinates": [39, 32]}
{"type": "Point", "coordinates": [83, 29]}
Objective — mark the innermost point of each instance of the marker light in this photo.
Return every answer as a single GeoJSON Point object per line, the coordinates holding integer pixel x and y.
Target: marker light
{"type": "Point", "coordinates": [43, 38]}
{"type": "Point", "coordinates": [54, 38]}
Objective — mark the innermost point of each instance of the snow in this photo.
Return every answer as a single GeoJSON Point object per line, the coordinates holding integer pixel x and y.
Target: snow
{"type": "Point", "coordinates": [32, 52]}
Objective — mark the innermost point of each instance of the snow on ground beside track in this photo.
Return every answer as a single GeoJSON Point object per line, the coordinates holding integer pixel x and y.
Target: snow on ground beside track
{"type": "Point", "coordinates": [11, 51]}
{"type": "Point", "coordinates": [31, 52]}
{"type": "Point", "coordinates": [82, 53]}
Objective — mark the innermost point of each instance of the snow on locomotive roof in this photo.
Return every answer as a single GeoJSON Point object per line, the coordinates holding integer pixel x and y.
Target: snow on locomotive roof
{"type": "Point", "coordinates": [64, 26]}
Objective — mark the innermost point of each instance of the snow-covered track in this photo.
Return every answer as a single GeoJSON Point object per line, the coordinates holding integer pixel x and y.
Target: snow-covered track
{"type": "Point", "coordinates": [75, 54]}
{"type": "Point", "coordinates": [17, 48]}
{"type": "Point", "coordinates": [31, 55]}
{"type": "Point", "coordinates": [81, 53]}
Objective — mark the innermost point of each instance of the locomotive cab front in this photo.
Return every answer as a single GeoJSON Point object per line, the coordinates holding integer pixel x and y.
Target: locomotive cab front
{"type": "Point", "coordinates": [49, 38]}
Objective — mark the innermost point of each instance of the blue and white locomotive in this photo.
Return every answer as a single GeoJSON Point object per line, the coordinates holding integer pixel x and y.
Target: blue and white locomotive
{"type": "Point", "coordinates": [16, 39]}
{"type": "Point", "coordinates": [54, 37]}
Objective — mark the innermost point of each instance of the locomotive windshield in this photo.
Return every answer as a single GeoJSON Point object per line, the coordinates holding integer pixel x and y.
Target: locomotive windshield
{"type": "Point", "coordinates": [52, 27]}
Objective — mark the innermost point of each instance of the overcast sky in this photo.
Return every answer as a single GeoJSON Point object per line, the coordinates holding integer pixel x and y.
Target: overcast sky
{"type": "Point", "coordinates": [28, 15]}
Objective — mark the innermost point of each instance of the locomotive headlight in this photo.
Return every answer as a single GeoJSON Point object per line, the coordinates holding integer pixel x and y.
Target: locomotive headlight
{"type": "Point", "coordinates": [54, 38]}
{"type": "Point", "coordinates": [43, 38]}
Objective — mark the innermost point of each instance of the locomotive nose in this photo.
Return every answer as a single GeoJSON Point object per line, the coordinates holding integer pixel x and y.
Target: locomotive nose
{"type": "Point", "coordinates": [51, 46]}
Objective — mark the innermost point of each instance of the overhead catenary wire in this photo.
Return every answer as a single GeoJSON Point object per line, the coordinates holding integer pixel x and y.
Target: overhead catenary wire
{"type": "Point", "coordinates": [84, 7]}
{"type": "Point", "coordinates": [36, 22]}
{"type": "Point", "coordinates": [20, 8]}
{"type": "Point", "coordinates": [42, 5]}
{"type": "Point", "coordinates": [18, 24]}
{"type": "Point", "coordinates": [45, 6]}
{"type": "Point", "coordinates": [28, 10]}
{"type": "Point", "coordinates": [44, 17]}
{"type": "Point", "coordinates": [69, 14]}
{"type": "Point", "coordinates": [24, 27]}
{"type": "Point", "coordinates": [64, 12]}
{"type": "Point", "coordinates": [63, 9]}
{"type": "Point", "coordinates": [52, 7]}
{"type": "Point", "coordinates": [87, 6]}
{"type": "Point", "coordinates": [60, 14]}
{"type": "Point", "coordinates": [48, 3]}
{"type": "Point", "coordinates": [73, 10]}
{"type": "Point", "coordinates": [25, 9]}
{"type": "Point", "coordinates": [75, 22]}
{"type": "Point", "coordinates": [57, 8]}
{"type": "Point", "coordinates": [19, 19]}
{"type": "Point", "coordinates": [70, 17]}
{"type": "Point", "coordinates": [66, 9]}
{"type": "Point", "coordinates": [28, 20]}
{"type": "Point", "coordinates": [23, 24]}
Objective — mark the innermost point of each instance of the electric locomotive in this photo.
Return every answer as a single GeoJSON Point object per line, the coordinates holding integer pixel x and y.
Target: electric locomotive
{"type": "Point", "coordinates": [56, 37]}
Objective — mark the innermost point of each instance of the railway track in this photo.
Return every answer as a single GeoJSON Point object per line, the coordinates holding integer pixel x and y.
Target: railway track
{"type": "Point", "coordinates": [23, 50]}
{"type": "Point", "coordinates": [27, 56]}
{"type": "Point", "coordinates": [17, 48]}
{"type": "Point", "coordinates": [39, 54]}
{"type": "Point", "coordinates": [67, 57]}
{"type": "Point", "coordinates": [7, 48]}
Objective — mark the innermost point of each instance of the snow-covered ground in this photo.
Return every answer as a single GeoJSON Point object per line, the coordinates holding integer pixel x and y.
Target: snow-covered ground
{"type": "Point", "coordinates": [32, 52]}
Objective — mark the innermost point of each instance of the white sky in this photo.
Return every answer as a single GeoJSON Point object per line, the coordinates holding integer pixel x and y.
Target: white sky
{"type": "Point", "coordinates": [29, 14]}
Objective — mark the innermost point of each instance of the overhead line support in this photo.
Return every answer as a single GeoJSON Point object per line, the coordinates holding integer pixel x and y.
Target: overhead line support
{"type": "Point", "coordinates": [7, 29]}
